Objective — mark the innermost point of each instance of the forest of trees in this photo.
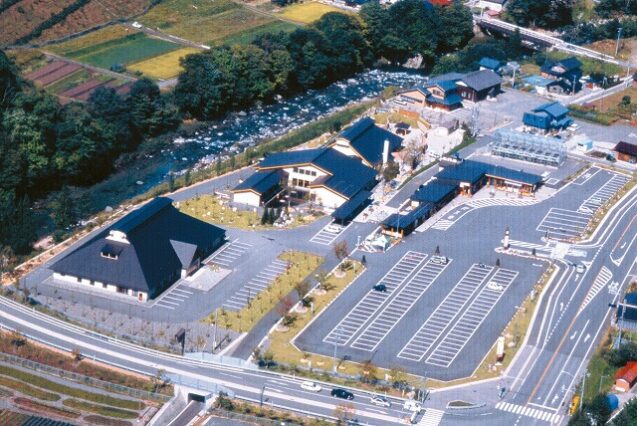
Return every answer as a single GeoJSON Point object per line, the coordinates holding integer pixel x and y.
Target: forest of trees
{"type": "Point", "coordinates": [334, 47]}
{"type": "Point", "coordinates": [45, 146]}
{"type": "Point", "coordinates": [550, 14]}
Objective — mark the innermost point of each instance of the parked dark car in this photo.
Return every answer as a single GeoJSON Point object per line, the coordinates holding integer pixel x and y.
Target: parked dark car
{"type": "Point", "coordinates": [266, 363]}
{"type": "Point", "coordinates": [342, 393]}
{"type": "Point", "coordinates": [380, 287]}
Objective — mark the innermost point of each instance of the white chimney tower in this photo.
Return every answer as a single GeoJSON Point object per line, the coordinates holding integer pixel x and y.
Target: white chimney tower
{"type": "Point", "coordinates": [386, 152]}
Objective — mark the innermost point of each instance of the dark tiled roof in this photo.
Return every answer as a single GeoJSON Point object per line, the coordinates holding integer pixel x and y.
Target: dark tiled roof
{"type": "Point", "coordinates": [514, 175]}
{"type": "Point", "coordinates": [158, 248]}
{"type": "Point", "coordinates": [446, 85]}
{"type": "Point", "coordinates": [626, 148]}
{"type": "Point", "coordinates": [351, 207]}
{"type": "Point", "coordinates": [466, 171]}
{"type": "Point", "coordinates": [481, 80]}
{"type": "Point", "coordinates": [368, 140]}
{"type": "Point", "coordinates": [490, 63]}
{"type": "Point", "coordinates": [554, 109]}
{"type": "Point", "coordinates": [260, 182]}
{"type": "Point", "coordinates": [346, 175]}
{"type": "Point", "coordinates": [433, 192]}
{"type": "Point", "coordinates": [452, 99]}
{"type": "Point", "coordinates": [290, 158]}
{"type": "Point", "coordinates": [569, 64]}
{"type": "Point", "coordinates": [402, 221]}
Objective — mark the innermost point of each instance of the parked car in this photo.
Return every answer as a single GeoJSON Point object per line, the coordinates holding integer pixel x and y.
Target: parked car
{"type": "Point", "coordinates": [381, 401]}
{"type": "Point", "coordinates": [266, 363]}
{"type": "Point", "coordinates": [580, 269]}
{"type": "Point", "coordinates": [137, 25]}
{"type": "Point", "coordinates": [342, 393]}
{"type": "Point", "coordinates": [492, 285]}
{"type": "Point", "coordinates": [380, 287]}
{"type": "Point", "coordinates": [310, 386]}
{"type": "Point", "coordinates": [439, 260]}
{"type": "Point", "coordinates": [412, 405]}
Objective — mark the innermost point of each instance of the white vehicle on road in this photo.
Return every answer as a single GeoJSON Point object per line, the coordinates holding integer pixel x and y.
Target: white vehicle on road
{"type": "Point", "coordinates": [334, 229]}
{"type": "Point", "coordinates": [494, 286]}
{"type": "Point", "coordinates": [310, 386]}
{"type": "Point", "coordinates": [380, 401]}
{"type": "Point", "coordinates": [137, 25]}
{"type": "Point", "coordinates": [580, 269]}
{"type": "Point", "coordinates": [412, 405]}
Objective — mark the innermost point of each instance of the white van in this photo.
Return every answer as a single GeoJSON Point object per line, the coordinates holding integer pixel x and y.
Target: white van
{"type": "Point", "coordinates": [412, 405]}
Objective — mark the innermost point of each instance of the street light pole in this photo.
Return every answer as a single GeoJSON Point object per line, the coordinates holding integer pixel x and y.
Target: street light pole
{"type": "Point", "coordinates": [619, 34]}
{"type": "Point", "coordinates": [581, 398]}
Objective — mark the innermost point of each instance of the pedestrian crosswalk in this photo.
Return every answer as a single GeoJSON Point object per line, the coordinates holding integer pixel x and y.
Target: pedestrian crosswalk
{"type": "Point", "coordinates": [529, 246]}
{"type": "Point", "coordinates": [604, 276]}
{"type": "Point", "coordinates": [529, 412]}
{"type": "Point", "coordinates": [488, 202]}
{"type": "Point", "coordinates": [431, 417]}
{"type": "Point", "coordinates": [442, 224]}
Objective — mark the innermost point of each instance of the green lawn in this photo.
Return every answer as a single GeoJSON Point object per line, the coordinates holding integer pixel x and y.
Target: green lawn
{"type": "Point", "coordinates": [124, 50]}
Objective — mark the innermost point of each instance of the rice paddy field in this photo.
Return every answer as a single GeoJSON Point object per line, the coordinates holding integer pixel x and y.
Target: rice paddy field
{"type": "Point", "coordinates": [308, 12]}
{"type": "Point", "coordinates": [164, 66]}
{"type": "Point", "coordinates": [204, 21]}
{"type": "Point", "coordinates": [124, 50]}
{"type": "Point", "coordinates": [112, 32]}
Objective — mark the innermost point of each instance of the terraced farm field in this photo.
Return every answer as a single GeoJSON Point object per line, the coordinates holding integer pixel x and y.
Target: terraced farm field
{"type": "Point", "coordinates": [203, 21]}
{"type": "Point", "coordinates": [112, 32]}
{"type": "Point", "coordinates": [23, 17]}
{"type": "Point", "coordinates": [308, 12]}
{"type": "Point", "coordinates": [124, 50]}
{"type": "Point", "coordinates": [164, 66]}
{"type": "Point", "coordinates": [95, 13]}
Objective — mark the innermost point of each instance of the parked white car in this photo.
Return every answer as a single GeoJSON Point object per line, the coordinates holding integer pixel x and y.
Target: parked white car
{"type": "Point", "coordinates": [494, 286]}
{"type": "Point", "coordinates": [137, 25]}
{"type": "Point", "coordinates": [411, 405]}
{"type": "Point", "coordinates": [310, 386]}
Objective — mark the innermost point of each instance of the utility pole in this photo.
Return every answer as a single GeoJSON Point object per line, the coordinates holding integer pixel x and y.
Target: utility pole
{"type": "Point", "coordinates": [619, 34]}
{"type": "Point", "coordinates": [214, 335]}
{"type": "Point", "coordinates": [261, 398]}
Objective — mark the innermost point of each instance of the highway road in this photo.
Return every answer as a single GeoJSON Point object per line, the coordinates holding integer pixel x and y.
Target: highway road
{"type": "Point", "coordinates": [574, 310]}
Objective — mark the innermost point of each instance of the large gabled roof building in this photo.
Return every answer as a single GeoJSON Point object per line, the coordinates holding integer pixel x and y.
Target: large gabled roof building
{"type": "Point", "coordinates": [143, 253]}
{"type": "Point", "coordinates": [327, 176]}
{"type": "Point", "coordinates": [367, 141]}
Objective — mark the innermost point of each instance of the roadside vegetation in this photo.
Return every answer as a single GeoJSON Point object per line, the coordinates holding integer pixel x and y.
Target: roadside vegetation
{"type": "Point", "coordinates": [300, 266]}
{"type": "Point", "coordinates": [28, 389]}
{"type": "Point", "coordinates": [51, 386]}
{"type": "Point", "coordinates": [18, 345]}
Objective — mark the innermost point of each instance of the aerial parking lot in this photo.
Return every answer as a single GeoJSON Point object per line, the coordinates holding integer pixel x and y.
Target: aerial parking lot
{"type": "Point", "coordinates": [436, 302]}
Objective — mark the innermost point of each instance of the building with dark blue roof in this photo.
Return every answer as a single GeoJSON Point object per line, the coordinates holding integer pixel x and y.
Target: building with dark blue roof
{"type": "Point", "coordinates": [434, 192]}
{"type": "Point", "coordinates": [351, 208]}
{"type": "Point", "coordinates": [367, 141]}
{"type": "Point", "coordinates": [141, 254]}
{"type": "Point", "coordinates": [324, 175]}
{"type": "Point", "coordinates": [492, 64]}
{"type": "Point", "coordinates": [260, 186]}
{"type": "Point", "coordinates": [567, 71]}
{"type": "Point", "coordinates": [552, 116]}
{"type": "Point", "coordinates": [471, 175]}
{"type": "Point", "coordinates": [404, 224]}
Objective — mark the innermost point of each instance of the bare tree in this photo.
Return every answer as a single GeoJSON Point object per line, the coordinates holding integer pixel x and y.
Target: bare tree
{"type": "Point", "coordinates": [340, 250]}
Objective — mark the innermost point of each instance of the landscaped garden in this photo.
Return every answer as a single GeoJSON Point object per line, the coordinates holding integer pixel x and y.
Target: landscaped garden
{"type": "Point", "coordinates": [300, 266]}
